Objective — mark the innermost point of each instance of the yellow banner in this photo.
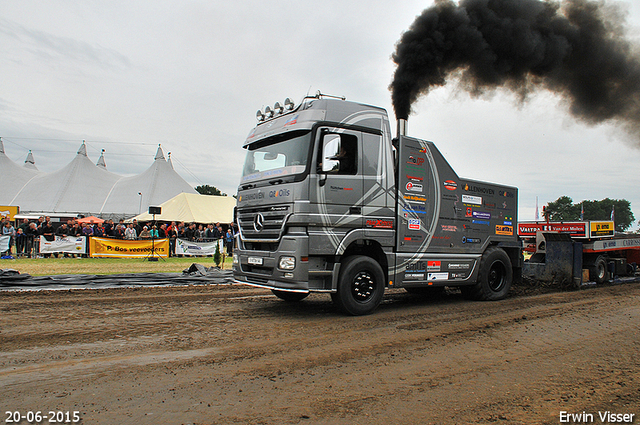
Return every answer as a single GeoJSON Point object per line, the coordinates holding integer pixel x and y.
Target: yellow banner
{"type": "Point", "coordinates": [602, 228]}
{"type": "Point", "coordinates": [8, 212]}
{"type": "Point", "coordinates": [104, 247]}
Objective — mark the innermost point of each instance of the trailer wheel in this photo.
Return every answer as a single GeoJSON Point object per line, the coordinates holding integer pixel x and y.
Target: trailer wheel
{"type": "Point", "coordinates": [360, 286]}
{"type": "Point", "coordinates": [494, 279]}
{"type": "Point", "coordinates": [290, 296]}
{"type": "Point", "coordinates": [598, 272]}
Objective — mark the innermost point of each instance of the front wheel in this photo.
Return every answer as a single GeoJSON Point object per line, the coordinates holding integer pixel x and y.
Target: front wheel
{"type": "Point", "coordinates": [360, 286]}
{"type": "Point", "coordinates": [494, 279]}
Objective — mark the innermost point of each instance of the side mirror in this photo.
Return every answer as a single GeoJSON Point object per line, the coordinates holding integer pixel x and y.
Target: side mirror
{"type": "Point", "coordinates": [332, 143]}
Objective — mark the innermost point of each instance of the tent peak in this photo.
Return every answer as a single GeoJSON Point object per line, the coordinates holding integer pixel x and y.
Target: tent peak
{"type": "Point", "coordinates": [30, 162]}
{"type": "Point", "coordinates": [159, 154]}
{"type": "Point", "coordinates": [83, 149]}
{"type": "Point", "coordinates": [101, 162]}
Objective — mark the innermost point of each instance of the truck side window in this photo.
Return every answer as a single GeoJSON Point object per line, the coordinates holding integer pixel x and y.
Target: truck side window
{"type": "Point", "coordinates": [339, 154]}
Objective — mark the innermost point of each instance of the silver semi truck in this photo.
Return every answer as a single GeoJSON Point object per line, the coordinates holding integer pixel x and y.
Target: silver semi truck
{"type": "Point", "coordinates": [330, 202]}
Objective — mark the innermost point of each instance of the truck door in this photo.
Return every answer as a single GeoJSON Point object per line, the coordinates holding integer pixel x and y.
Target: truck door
{"type": "Point", "coordinates": [338, 188]}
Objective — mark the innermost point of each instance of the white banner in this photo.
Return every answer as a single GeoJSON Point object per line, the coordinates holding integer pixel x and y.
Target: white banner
{"type": "Point", "coordinates": [198, 248]}
{"type": "Point", "coordinates": [4, 243]}
{"type": "Point", "coordinates": [69, 244]}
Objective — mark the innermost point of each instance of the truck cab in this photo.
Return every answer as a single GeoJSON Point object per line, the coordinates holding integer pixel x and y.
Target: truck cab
{"type": "Point", "coordinates": [329, 202]}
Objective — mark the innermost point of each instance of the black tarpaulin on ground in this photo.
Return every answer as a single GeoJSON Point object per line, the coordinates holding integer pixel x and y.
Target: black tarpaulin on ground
{"type": "Point", "coordinates": [194, 275]}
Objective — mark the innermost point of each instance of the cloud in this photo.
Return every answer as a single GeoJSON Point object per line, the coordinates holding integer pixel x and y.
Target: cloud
{"type": "Point", "coordinates": [51, 48]}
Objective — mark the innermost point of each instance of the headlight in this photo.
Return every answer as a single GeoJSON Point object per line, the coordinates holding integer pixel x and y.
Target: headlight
{"type": "Point", "coordinates": [235, 258]}
{"type": "Point", "coordinates": [287, 263]}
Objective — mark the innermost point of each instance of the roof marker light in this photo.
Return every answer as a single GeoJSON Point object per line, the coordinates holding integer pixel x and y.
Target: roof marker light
{"type": "Point", "coordinates": [268, 113]}
{"type": "Point", "coordinates": [277, 108]}
{"type": "Point", "coordinates": [288, 104]}
{"type": "Point", "coordinates": [260, 115]}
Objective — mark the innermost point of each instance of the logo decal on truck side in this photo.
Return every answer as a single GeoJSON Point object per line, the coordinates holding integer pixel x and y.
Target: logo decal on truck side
{"type": "Point", "coordinates": [450, 185]}
{"type": "Point", "coordinates": [414, 224]}
{"type": "Point", "coordinates": [414, 187]}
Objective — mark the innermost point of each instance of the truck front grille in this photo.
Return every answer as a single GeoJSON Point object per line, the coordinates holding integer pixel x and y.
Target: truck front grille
{"type": "Point", "coordinates": [262, 223]}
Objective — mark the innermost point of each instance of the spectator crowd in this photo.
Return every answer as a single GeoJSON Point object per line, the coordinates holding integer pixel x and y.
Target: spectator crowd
{"type": "Point", "coordinates": [26, 237]}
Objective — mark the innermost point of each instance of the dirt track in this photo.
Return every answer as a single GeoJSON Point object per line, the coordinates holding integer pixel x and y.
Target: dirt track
{"type": "Point", "coordinates": [230, 354]}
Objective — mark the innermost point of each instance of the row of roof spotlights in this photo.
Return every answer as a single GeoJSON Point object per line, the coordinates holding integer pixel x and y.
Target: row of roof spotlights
{"type": "Point", "coordinates": [277, 110]}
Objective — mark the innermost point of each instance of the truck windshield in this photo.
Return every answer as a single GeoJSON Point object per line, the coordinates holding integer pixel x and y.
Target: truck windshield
{"type": "Point", "coordinates": [284, 154]}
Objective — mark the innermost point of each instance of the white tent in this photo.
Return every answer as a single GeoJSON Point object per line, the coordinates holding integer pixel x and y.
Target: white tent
{"type": "Point", "coordinates": [157, 184]}
{"type": "Point", "coordinates": [12, 177]}
{"type": "Point", "coordinates": [79, 187]}
{"type": "Point", "coordinates": [194, 208]}
{"type": "Point", "coordinates": [84, 188]}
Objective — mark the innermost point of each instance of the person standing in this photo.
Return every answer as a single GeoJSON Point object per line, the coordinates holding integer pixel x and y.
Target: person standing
{"type": "Point", "coordinates": [130, 233]}
{"type": "Point", "coordinates": [8, 230]}
{"type": "Point", "coordinates": [228, 241]}
{"type": "Point", "coordinates": [21, 243]}
{"type": "Point", "coordinates": [32, 235]}
{"type": "Point", "coordinates": [172, 234]}
{"type": "Point", "coordinates": [145, 234]}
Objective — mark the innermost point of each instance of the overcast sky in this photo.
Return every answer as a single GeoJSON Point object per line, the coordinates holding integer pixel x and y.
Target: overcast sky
{"type": "Point", "coordinates": [128, 75]}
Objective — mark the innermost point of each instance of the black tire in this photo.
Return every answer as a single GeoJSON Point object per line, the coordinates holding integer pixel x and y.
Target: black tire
{"type": "Point", "coordinates": [598, 272]}
{"type": "Point", "coordinates": [360, 286]}
{"type": "Point", "coordinates": [494, 277]}
{"type": "Point", "coordinates": [290, 296]}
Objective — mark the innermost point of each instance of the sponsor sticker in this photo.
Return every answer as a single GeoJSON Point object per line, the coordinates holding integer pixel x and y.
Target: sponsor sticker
{"type": "Point", "coordinates": [433, 266]}
{"type": "Point", "coordinates": [415, 198]}
{"type": "Point", "coordinates": [279, 193]}
{"type": "Point", "coordinates": [474, 200]}
{"type": "Point", "coordinates": [414, 187]}
{"type": "Point", "coordinates": [504, 230]}
{"type": "Point", "coordinates": [414, 224]}
{"type": "Point", "coordinates": [459, 266]}
{"type": "Point", "coordinates": [485, 222]}
{"type": "Point", "coordinates": [380, 224]}
{"type": "Point", "coordinates": [450, 185]}
{"type": "Point", "coordinates": [415, 161]}
{"type": "Point", "coordinates": [482, 215]}
{"type": "Point", "coordinates": [478, 189]}
{"type": "Point", "coordinates": [438, 276]}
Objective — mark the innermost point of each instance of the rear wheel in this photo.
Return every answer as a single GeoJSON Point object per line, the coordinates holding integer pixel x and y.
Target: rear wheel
{"type": "Point", "coordinates": [290, 296]}
{"type": "Point", "coordinates": [494, 279]}
{"type": "Point", "coordinates": [360, 286]}
{"type": "Point", "coordinates": [598, 272]}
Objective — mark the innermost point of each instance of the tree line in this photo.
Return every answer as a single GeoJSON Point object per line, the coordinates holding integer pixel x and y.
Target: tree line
{"type": "Point", "coordinates": [563, 209]}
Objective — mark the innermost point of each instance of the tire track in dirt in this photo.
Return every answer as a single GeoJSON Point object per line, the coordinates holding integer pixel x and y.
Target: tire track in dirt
{"type": "Point", "coordinates": [195, 354]}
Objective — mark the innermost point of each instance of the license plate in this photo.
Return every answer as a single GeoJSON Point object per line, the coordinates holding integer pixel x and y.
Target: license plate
{"type": "Point", "coordinates": [256, 261]}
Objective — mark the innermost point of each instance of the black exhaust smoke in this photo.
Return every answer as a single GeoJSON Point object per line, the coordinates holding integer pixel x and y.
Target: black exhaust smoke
{"type": "Point", "coordinates": [576, 48]}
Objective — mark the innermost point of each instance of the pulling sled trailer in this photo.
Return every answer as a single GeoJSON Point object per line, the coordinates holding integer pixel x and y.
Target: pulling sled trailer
{"type": "Point", "coordinates": [562, 250]}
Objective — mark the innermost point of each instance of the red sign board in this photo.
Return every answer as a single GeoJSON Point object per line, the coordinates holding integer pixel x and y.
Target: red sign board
{"type": "Point", "coordinates": [575, 229]}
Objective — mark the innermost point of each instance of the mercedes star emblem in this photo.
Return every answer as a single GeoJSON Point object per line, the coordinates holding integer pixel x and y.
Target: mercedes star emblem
{"type": "Point", "coordinates": [258, 223]}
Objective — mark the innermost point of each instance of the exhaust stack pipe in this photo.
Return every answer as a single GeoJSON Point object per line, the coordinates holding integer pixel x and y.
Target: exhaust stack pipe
{"type": "Point", "coordinates": [402, 127]}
